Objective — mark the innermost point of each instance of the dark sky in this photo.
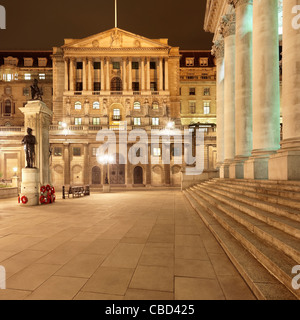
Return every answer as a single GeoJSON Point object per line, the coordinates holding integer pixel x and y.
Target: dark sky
{"type": "Point", "coordinates": [33, 24]}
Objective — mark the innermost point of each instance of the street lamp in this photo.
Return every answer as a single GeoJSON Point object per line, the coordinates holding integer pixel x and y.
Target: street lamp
{"type": "Point", "coordinates": [15, 170]}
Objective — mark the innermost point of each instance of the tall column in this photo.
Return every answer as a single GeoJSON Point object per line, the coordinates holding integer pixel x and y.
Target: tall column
{"type": "Point", "coordinates": [124, 75]}
{"type": "Point", "coordinates": [228, 32]}
{"type": "Point", "coordinates": [130, 74]}
{"type": "Point", "coordinates": [66, 75]}
{"type": "Point", "coordinates": [102, 75]}
{"type": "Point", "coordinates": [86, 164]}
{"type": "Point", "coordinates": [67, 164]}
{"type": "Point", "coordinates": [218, 52]}
{"type": "Point", "coordinates": [243, 85]}
{"type": "Point", "coordinates": [71, 78]}
{"type": "Point", "coordinates": [84, 85]}
{"type": "Point", "coordinates": [148, 85]}
{"type": "Point", "coordinates": [285, 164]}
{"type": "Point", "coordinates": [161, 75]}
{"type": "Point", "coordinates": [266, 94]}
{"type": "Point", "coordinates": [90, 77]}
{"type": "Point", "coordinates": [142, 74]}
{"type": "Point", "coordinates": [107, 62]}
{"type": "Point", "coordinates": [166, 74]}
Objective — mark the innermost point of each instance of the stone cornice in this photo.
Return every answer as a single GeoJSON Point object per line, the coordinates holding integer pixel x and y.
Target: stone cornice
{"type": "Point", "coordinates": [227, 25]}
{"type": "Point", "coordinates": [237, 3]}
{"type": "Point", "coordinates": [218, 49]}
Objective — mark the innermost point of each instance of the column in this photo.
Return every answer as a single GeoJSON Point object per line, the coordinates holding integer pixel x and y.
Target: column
{"type": "Point", "coordinates": [124, 75]}
{"type": "Point", "coordinates": [90, 77]}
{"type": "Point", "coordinates": [86, 164]}
{"type": "Point", "coordinates": [228, 32]}
{"type": "Point", "coordinates": [71, 78]}
{"type": "Point", "coordinates": [266, 94]}
{"type": "Point", "coordinates": [166, 74]}
{"type": "Point", "coordinates": [243, 85]}
{"type": "Point", "coordinates": [285, 164]}
{"type": "Point", "coordinates": [218, 52]}
{"type": "Point", "coordinates": [130, 74]}
{"type": "Point", "coordinates": [67, 164]}
{"type": "Point", "coordinates": [148, 85]}
{"type": "Point", "coordinates": [142, 74]}
{"type": "Point", "coordinates": [102, 75]}
{"type": "Point", "coordinates": [161, 75]}
{"type": "Point", "coordinates": [84, 84]}
{"type": "Point", "coordinates": [107, 62]}
{"type": "Point", "coordinates": [66, 75]}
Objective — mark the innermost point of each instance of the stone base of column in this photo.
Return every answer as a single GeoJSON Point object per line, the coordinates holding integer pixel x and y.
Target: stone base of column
{"type": "Point", "coordinates": [106, 188]}
{"type": "Point", "coordinates": [30, 187]}
{"type": "Point", "coordinates": [225, 169]}
{"type": "Point", "coordinates": [236, 169]}
{"type": "Point", "coordinates": [285, 165]}
{"type": "Point", "coordinates": [256, 168]}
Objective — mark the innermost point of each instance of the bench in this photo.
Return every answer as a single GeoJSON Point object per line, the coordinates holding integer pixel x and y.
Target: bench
{"type": "Point", "coordinates": [79, 191]}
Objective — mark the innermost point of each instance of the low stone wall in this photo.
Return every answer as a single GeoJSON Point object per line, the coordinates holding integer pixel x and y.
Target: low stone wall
{"type": "Point", "coordinates": [189, 181]}
{"type": "Point", "coordinates": [8, 193]}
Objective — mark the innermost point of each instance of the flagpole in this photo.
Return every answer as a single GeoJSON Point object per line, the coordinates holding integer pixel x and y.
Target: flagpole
{"type": "Point", "coordinates": [116, 14]}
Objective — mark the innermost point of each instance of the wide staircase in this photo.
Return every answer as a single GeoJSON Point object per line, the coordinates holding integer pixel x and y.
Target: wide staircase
{"type": "Point", "coordinates": [258, 225]}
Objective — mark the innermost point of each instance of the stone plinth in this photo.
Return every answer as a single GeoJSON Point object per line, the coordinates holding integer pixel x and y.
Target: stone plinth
{"type": "Point", "coordinates": [30, 186]}
{"type": "Point", "coordinates": [106, 188]}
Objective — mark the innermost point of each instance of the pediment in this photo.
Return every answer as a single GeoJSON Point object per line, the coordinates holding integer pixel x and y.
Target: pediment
{"type": "Point", "coordinates": [115, 38]}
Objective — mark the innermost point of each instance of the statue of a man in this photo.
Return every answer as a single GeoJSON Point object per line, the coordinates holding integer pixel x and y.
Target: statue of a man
{"type": "Point", "coordinates": [29, 142]}
{"type": "Point", "coordinates": [36, 92]}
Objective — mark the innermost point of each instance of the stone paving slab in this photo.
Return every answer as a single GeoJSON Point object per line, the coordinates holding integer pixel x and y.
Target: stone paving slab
{"type": "Point", "coordinates": [135, 245]}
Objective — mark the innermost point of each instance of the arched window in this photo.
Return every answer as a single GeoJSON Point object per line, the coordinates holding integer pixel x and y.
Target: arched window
{"type": "Point", "coordinates": [116, 84]}
{"type": "Point", "coordinates": [78, 105]}
{"type": "Point", "coordinates": [96, 105]}
{"type": "Point", "coordinates": [137, 105]}
{"type": "Point", "coordinates": [155, 105]}
{"type": "Point", "coordinates": [7, 107]}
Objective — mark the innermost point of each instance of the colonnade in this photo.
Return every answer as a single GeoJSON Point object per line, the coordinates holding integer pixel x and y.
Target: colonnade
{"type": "Point", "coordinates": [126, 73]}
{"type": "Point", "coordinates": [248, 92]}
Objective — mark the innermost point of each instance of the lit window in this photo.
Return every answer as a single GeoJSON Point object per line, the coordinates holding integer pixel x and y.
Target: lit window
{"type": "Point", "coordinates": [78, 121]}
{"type": "Point", "coordinates": [206, 109]}
{"type": "Point", "coordinates": [96, 105]}
{"type": "Point", "coordinates": [203, 62]}
{"type": "Point", "coordinates": [95, 152]}
{"type": "Point", "coordinates": [155, 105]}
{"type": "Point", "coordinates": [42, 76]}
{"type": "Point", "coordinates": [117, 114]}
{"type": "Point", "coordinates": [137, 121]}
{"type": "Point", "coordinates": [78, 105]}
{"type": "Point", "coordinates": [137, 106]}
{"type": "Point", "coordinates": [156, 152]}
{"type": "Point", "coordinates": [96, 121]}
{"type": "Point", "coordinates": [27, 76]}
{"type": "Point", "coordinates": [190, 62]}
{"type": "Point", "coordinates": [155, 121]}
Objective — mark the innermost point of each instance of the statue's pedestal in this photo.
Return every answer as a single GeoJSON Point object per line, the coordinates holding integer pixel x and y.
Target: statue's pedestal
{"type": "Point", "coordinates": [30, 186]}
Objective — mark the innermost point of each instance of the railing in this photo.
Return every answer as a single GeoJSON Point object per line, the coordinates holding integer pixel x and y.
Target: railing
{"type": "Point", "coordinates": [116, 93]}
{"type": "Point", "coordinates": [95, 128]}
{"type": "Point", "coordinates": [96, 93]}
{"type": "Point", "coordinates": [136, 93]}
{"type": "Point", "coordinates": [78, 93]}
{"type": "Point", "coordinates": [155, 93]}
{"type": "Point", "coordinates": [117, 118]}
{"type": "Point", "coordinates": [11, 129]}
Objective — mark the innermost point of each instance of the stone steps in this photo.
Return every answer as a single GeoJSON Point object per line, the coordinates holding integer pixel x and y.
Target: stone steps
{"type": "Point", "coordinates": [251, 235]}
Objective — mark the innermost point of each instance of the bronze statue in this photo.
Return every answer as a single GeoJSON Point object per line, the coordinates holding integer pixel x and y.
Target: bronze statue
{"type": "Point", "coordinates": [36, 92]}
{"type": "Point", "coordinates": [29, 142]}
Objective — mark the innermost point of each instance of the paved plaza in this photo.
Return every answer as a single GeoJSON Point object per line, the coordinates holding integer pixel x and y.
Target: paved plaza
{"type": "Point", "coordinates": [138, 245]}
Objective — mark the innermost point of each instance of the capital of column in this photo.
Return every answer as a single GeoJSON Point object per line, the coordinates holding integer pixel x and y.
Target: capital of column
{"type": "Point", "coordinates": [227, 25]}
{"type": "Point", "coordinates": [218, 49]}
{"type": "Point", "coordinates": [237, 3]}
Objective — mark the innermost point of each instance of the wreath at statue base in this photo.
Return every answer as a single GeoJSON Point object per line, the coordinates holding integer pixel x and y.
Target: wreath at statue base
{"type": "Point", "coordinates": [47, 194]}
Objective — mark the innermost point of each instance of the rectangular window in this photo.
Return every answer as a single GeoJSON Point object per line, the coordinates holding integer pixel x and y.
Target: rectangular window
{"type": "Point", "coordinates": [116, 65]}
{"type": "Point", "coordinates": [96, 121]}
{"type": "Point", "coordinates": [137, 121]}
{"type": "Point", "coordinates": [156, 152]}
{"type": "Point", "coordinates": [57, 152]}
{"type": "Point", "coordinates": [203, 62]}
{"type": "Point", "coordinates": [97, 65]}
{"type": "Point", "coordinates": [79, 66]}
{"type": "Point", "coordinates": [117, 114]}
{"type": "Point", "coordinates": [153, 86]}
{"type": "Point", "coordinates": [97, 86]}
{"type": "Point", "coordinates": [27, 76]}
{"type": "Point", "coordinates": [192, 91]}
{"type": "Point", "coordinates": [135, 65]}
{"type": "Point", "coordinates": [26, 92]}
{"type": "Point", "coordinates": [152, 65]}
{"type": "Point", "coordinates": [192, 105]}
{"type": "Point", "coordinates": [135, 86]}
{"type": "Point", "coordinates": [42, 76]}
{"type": "Point", "coordinates": [206, 92]}
{"type": "Point", "coordinates": [206, 108]}
{"type": "Point", "coordinates": [76, 152]}
{"type": "Point", "coordinates": [155, 121]}
{"type": "Point", "coordinates": [78, 121]}
{"type": "Point", "coordinates": [190, 62]}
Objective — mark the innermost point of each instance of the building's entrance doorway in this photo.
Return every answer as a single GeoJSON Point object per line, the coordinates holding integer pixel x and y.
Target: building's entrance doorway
{"type": "Point", "coordinates": [96, 176]}
{"type": "Point", "coordinates": [117, 171]}
{"type": "Point", "coordinates": [138, 175]}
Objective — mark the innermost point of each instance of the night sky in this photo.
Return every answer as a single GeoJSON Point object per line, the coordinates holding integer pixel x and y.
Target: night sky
{"type": "Point", "coordinates": [34, 25]}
